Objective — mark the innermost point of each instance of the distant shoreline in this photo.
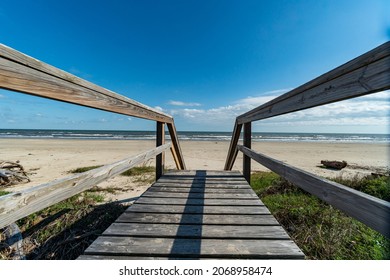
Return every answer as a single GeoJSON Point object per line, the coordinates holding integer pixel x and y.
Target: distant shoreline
{"type": "Point", "coordinates": [49, 159]}
{"type": "Point", "coordinates": [192, 136]}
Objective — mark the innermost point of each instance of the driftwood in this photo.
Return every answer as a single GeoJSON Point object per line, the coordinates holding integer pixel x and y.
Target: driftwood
{"type": "Point", "coordinates": [12, 173]}
{"type": "Point", "coordinates": [334, 164]}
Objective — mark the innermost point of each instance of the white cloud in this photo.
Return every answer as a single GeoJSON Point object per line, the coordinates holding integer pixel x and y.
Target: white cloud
{"type": "Point", "coordinates": [263, 98]}
{"type": "Point", "coordinates": [181, 103]}
{"type": "Point", "coordinates": [363, 111]}
{"type": "Point", "coordinates": [2, 96]}
{"type": "Point", "coordinates": [158, 108]}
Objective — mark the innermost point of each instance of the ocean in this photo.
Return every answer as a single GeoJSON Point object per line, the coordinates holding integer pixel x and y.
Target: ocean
{"type": "Point", "coordinates": [192, 136]}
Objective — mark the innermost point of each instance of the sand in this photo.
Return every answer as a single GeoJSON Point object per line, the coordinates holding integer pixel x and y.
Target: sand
{"type": "Point", "coordinates": [49, 159]}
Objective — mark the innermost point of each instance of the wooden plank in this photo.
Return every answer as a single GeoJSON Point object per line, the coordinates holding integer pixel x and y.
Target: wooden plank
{"type": "Point", "coordinates": [117, 258]}
{"type": "Point", "coordinates": [230, 190]}
{"type": "Point", "coordinates": [246, 166]}
{"type": "Point", "coordinates": [197, 231]}
{"type": "Point", "coordinates": [176, 149]}
{"type": "Point", "coordinates": [204, 186]}
{"type": "Point", "coordinates": [19, 204]}
{"type": "Point", "coordinates": [368, 73]}
{"type": "Point", "coordinates": [197, 219]}
{"type": "Point", "coordinates": [160, 140]}
{"type": "Point", "coordinates": [198, 201]}
{"type": "Point", "coordinates": [203, 173]}
{"type": "Point", "coordinates": [180, 209]}
{"type": "Point", "coordinates": [201, 195]}
{"type": "Point", "coordinates": [233, 180]}
{"type": "Point", "coordinates": [370, 210]}
{"type": "Point", "coordinates": [232, 152]}
{"type": "Point", "coordinates": [214, 248]}
{"type": "Point", "coordinates": [25, 74]}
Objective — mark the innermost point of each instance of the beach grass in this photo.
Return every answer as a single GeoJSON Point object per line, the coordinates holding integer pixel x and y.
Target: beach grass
{"type": "Point", "coordinates": [139, 170]}
{"type": "Point", "coordinates": [3, 193]}
{"type": "Point", "coordinates": [64, 230]}
{"type": "Point", "coordinates": [321, 231]}
{"type": "Point", "coordinates": [84, 169]}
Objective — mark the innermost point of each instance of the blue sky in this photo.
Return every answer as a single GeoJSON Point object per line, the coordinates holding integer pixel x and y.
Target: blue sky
{"type": "Point", "coordinates": [203, 62]}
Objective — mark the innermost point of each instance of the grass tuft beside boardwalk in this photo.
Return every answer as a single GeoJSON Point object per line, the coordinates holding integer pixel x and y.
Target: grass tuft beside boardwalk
{"type": "Point", "coordinates": [321, 231]}
{"type": "Point", "coordinates": [64, 230]}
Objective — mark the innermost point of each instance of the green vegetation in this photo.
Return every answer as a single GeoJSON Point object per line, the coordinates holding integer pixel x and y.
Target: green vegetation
{"type": "Point", "coordinates": [321, 231]}
{"type": "Point", "coordinates": [64, 230]}
{"type": "Point", "coordinates": [142, 174]}
{"type": "Point", "coordinates": [4, 193]}
{"type": "Point", "coordinates": [84, 169]}
{"type": "Point", "coordinates": [375, 186]}
{"type": "Point", "coordinates": [139, 170]}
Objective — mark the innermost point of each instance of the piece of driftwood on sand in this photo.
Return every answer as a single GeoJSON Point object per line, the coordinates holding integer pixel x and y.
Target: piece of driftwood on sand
{"type": "Point", "coordinates": [12, 173]}
{"type": "Point", "coordinates": [334, 164]}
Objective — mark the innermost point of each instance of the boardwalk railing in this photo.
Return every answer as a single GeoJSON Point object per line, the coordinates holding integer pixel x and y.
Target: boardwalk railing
{"type": "Point", "coordinates": [366, 74]}
{"type": "Point", "coordinates": [21, 73]}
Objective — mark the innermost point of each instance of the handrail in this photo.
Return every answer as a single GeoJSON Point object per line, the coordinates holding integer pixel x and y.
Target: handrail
{"type": "Point", "coordinates": [370, 210]}
{"type": "Point", "coordinates": [19, 72]}
{"type": "Point", "coordinates": [366, 74]}
{"type": "Point", "coordinates": [22, 73]}
{"type": "Point", "coordinates": [17, 205]}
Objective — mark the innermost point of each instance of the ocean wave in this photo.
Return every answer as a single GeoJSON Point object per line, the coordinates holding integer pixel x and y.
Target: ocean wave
{"type": "Point", "coordinates": [194, 136]}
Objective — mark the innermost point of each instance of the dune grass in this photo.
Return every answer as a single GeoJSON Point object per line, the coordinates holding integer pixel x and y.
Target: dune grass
{"type": "Point", "coordinates": [64, 230]}
{"type": "Point", "coordinates": [3, 193]}
{"type": "Point", "coordinates": [321, 231]}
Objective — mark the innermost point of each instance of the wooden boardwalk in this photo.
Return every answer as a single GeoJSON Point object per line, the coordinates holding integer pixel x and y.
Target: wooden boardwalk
{"type": "Point", "coordinates": [196, 215]}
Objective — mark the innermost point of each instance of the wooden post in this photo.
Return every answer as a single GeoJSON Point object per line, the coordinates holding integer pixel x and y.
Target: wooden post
{"type": "Point", "coordinates": [232, 153]}
{"type": "Point", "coordinates": [160, 158]}
{"type": "Point", "coordinates": [248, 144]}
{"type": "Point", "coordinates": [176, 150]}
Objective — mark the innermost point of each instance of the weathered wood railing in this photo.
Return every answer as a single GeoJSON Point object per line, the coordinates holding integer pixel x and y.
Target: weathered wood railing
{"type": "Point", "coordinates": [366, 74]}
{"type": "Point", "coordinates": [21, 73]}
{"type": "Point", "coordinates": [19, 204]}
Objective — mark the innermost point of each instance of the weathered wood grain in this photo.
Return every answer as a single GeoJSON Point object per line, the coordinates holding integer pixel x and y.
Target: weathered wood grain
{"type": "Point", "coordinates": [370, 210]}
{"type": "Point", "coordinates": [232, 152]}
{"type": "Point", "coordinates": [189, 226]}
{"type": "Point", "coordinates": [196, 231]}
{"type": "Point", "coordinates": [182, 209]}
{"type": "Point", "coordinates": [17, 205]}
{"type": "Point", "coordinates": [183, 189]}
{"type": "Point", "coordinates": [201, 195]}
{"type": "Point", "coordinates": [117, 258]}
{"type": "Point", "coordinates": [203, 173]}
{"type": "Point", "coordinates": [197, 219]}
{"type": "Point", "coordinates": [208, 185]}
{"type": "Point", "coordinates": [368, 73]}
{"type": "Point", "coordinates": [246, 164]}
{"type": "Point", "coordinates": [176, 149]}
{"type": "Point", "coordinates": [198, 201]}
{"type": "Point", "coordinates": [214, 248]}
{"type": "Point", "coordinates": [235, 180]}
{"type": "Point", "coordinates": [22, 73]}
{"type": "Point", "coordinates": [160, 140]}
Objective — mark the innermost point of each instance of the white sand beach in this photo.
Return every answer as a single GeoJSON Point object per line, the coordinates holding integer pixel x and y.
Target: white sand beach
{"type": "Point", "coordinates": [49, 159]}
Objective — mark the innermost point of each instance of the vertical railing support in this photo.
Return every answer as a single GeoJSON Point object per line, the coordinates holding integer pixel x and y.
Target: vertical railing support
{"type": "Point", "coordinates": [160, 140]}
{"type": "Point", "coordinates": [176, 150]}
{"type": "Point", "coordinates": [232, 153]}
{"type": "Point", "coordinates": [248, 144]}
